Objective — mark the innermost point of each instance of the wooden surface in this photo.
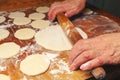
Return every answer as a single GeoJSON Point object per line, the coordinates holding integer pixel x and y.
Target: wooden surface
{"type": "Point", "coordinates": [18, 4]}
{"type": "Point", "coordinates": [104, 25]}
{"type": "Point", "coordinates": [59, 67]}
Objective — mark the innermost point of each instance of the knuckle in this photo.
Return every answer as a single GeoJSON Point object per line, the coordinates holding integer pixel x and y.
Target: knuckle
{"type": "Point", "coordinates": [100, 61]}
{"type": "Point", "coordinates": [86, 56]}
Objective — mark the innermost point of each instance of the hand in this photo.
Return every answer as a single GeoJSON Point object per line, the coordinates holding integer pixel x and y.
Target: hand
{"type": "Point", "coordinates": [70, 7]}
{"type": "Point", "coordinates": [94, 52]}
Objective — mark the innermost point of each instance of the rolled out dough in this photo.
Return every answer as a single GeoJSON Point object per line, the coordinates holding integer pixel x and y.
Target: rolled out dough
{"type": "Point", "coordinates": [34, 64]}
{"type": "Point", "coordinates": [8, 49]}
{"type": "Point", "coordinates": [4, 34]}
{"type": "Point", "coordinates": [37, 16]}
{"type": "Point", "coordinates": [40, 24]}
{"type": "Point", "coordinates": [42, 9]}
{"type": "Point", "coordinates": [4, 77]}
{"type": "Point", "coordinates": [25, 33]}
{"type": "Point", "coordinates": [21, 21]}
{"type": "Point", "coordinates": [53, 38]}
{"type": "Point", "coordinates": [2, 19]}
{"type": "Point", "coordinates": [16, 14]}
{"type": "Point", "coordinates": [82, 33]}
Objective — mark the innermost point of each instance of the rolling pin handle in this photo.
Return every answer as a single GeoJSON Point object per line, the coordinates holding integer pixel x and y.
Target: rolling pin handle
{"type": "Point", "coordinates": [99, 73]}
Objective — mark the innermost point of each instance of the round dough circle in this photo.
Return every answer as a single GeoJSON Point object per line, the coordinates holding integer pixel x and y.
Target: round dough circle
{"type": "Point", "coordinates": [17, 14]}
{"type": "Point", "coordinates": [40, 24]}
{"type": "Point", "coordinates": [34, 64]}
{"type": "Point", "coordinates": [37, 16]}
{"type": "Point", "coordinates": [43, 9]}
{"type": "Point", "coordinates": [8, 49]}
{"type": "Point", "coordinates": [4, 77]}
{"type": "Point", "coordinates": [53, 38]}
{"type": "Point", "coordinates": [25, 33]}
{"type": "Point", "coordinates": [21, 21]}
{"type": "Point", "coordinates": [2, 19]}
{"type": "Point", "coordinates": [4, 34]}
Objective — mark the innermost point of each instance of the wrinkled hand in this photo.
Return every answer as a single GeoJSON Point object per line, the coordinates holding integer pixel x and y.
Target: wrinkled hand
{"type": "Point", "coordinates": [70, 7]}
{"type": "Point", "coordinates": [94, 52]}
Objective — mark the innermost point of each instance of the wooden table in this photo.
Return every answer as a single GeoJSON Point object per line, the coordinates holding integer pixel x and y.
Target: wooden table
{"type": "Point", "coordinates": [11, 5]}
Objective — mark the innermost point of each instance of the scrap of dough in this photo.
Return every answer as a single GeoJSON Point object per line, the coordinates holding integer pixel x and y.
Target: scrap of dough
{"type": "Point", "coordinates": [34, 64]}
{"type": "Point", "coordinates": [16, 14]}
{"type": "Point", "coordinates": [25, 33]}
{"type": "Point", "coordinates": [4, 34]}
{"type": "Point", "coordinates": [40, 24]}
{"type": "Point", "coordinates": [2, 19]}
{"type": "Point", "coordinates": [8, 50]}
{"type": "Point", "coordinates": [53, 38]}
{"type": "Point", "coordinates": [42, 9]}
{"type": "Point", "coordinates": [82, 33]}
{"type": "Point", "coordinates": [22, 21]}
{"type": "Point", "coordinates": [4, 77]}
{"type": "Point", "coordinates": [37, 16]}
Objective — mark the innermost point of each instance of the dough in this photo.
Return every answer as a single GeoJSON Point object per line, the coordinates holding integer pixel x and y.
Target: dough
{"type": "Point", "coordinates": [34, 64]}
{"type": "Point", "coordinates": [4, 34]}
{"type": "Point", "coordinates": [82, 33]}
{"type": "Point", "coordinates": [16, 14]}
{"type": "Point", "coordinates": [21, 21]}
{"type": "Point", "coordinates": [37, 16]}
{"type": "Point", "coordinates": [25, 33]}
{"type": "Point", "coordinates": [42, 9]}
{"type": "Point", "coordinates": [4, 77]}
{"type": "Point", "coordinates": [8, 50]}
{"type": "Point", "coordinates": [40, 24]}
{"type": "Point", "coordinates": [53, 38]}
{"type": "Point", "coordinates": [2, 19]}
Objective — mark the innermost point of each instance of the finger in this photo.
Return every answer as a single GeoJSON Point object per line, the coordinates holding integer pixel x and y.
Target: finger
{"type": "Point", "coordinates": [71, 12]}
{"type": "Point", "coordinates": [93, 63]}
{"type": "Point", "coordinates": [75, 10]}
{"type": "Point", "coordinates": [77, 49]}
{"type": "Point", "coordinates": [55, 12]}
{"type": "Point", "coordinates": [54, 9]}
{"type": "Point", "coordinates": [82, 58]}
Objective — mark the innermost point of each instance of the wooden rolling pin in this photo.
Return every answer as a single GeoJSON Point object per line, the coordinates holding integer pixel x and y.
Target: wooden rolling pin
{"type": "Point", "coordinates": [74, 36]}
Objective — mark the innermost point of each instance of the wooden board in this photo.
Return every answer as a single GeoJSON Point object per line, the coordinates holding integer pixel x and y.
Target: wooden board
{"type": "Point", "coordinates": [93, 25]}
{"type": "Point", "coordinates": [59, 67]}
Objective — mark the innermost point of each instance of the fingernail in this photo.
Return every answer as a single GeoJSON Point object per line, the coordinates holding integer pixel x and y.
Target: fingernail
{"type": "Point", "coordinates": [50, 19]}
{"type": "Point", "coordinates": [72, 67]}
{"type": "Point", "coordinates": [84, 66]}
{"type": "Point", "coordinates": [66, 15]}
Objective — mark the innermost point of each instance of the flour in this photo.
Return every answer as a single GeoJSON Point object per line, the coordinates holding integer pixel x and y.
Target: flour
{"type": "Point", "coordinates": [51, 56]}
{"type": "Point", "coordinates": [3, 68]}
{"type": "Point", "coordinates": [63, 68]}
